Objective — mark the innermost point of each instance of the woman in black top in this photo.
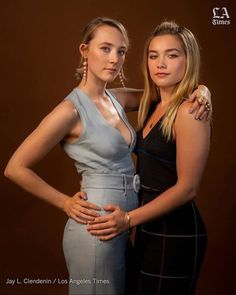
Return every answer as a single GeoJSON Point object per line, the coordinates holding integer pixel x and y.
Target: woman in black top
{"type": "Point", "coordinates": [172, 150]}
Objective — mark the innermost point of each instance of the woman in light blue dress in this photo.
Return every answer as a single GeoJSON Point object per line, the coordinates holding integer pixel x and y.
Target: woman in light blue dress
{"type": "Point", "coordinates": [107, 176]}
{"type": "Point", "coordinates": [91, 125]}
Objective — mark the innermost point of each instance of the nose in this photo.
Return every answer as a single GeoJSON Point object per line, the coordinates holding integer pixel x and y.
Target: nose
{"type": "Point", "coordinates": [161, 63]}
{"type": "Point", "coordinates": [114, 57]}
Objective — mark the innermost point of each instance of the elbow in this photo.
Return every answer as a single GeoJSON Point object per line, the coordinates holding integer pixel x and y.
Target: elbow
{"type": "Point", "coordinates": [191, 193]}
{"type": "Point", "coordinates": [10, 172]}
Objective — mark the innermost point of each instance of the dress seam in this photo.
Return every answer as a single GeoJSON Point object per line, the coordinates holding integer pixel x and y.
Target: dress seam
{"type": "Point", "coordinates": [163, 254]}
{"type": "Point", "coordinates": [173, 236]}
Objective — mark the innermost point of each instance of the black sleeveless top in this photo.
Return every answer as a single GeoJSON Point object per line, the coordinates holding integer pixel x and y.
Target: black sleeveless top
{"type": "Point", "coordinates": [156, 163]}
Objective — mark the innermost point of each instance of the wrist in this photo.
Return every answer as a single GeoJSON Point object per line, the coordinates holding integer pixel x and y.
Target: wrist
{"type": "Point", "coordinates": [64, 204]}
{"type": "Point", "coordinates": [127, 220]}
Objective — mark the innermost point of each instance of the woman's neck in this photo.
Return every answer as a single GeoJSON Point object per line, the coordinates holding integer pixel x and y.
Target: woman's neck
{"type": "Point", "coordinates": [165, 95]}
{"type": "Point", "coordinates": [94, 89]}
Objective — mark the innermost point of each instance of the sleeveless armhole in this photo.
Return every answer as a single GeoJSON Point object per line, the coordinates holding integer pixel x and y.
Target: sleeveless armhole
{"type": "Point", "coordinates": [75, 100]}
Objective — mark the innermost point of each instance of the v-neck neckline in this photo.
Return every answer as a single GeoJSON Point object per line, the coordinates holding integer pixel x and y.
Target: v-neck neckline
{"type": "Point", "coordinates": [107, 123]}
{"type": "Point", "coordinates": [150, 131]}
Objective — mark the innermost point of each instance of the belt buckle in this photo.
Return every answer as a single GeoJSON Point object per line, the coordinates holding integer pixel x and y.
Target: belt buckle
{"type": "Point", "coordinates": [136, 183]}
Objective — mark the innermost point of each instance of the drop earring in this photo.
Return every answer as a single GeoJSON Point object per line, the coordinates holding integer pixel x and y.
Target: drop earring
{"type": "Point", "coordinates": [85, 70]}
{"type": "Point", "coordinates": [121, 77]}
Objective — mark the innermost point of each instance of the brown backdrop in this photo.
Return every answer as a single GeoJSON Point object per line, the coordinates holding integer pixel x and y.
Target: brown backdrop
{"type": "Point", "coordinates": [39, 54]}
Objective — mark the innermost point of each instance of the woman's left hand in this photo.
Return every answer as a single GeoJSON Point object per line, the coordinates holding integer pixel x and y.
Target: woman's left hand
{"type": "Point", "coordinates": [201, 107]}
{"type": "Point", "coordinates": [110, 225]}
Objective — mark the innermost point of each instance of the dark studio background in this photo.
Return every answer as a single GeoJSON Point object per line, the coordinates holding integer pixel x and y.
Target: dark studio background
{"type": "Point", "coordinates": [39, 54]}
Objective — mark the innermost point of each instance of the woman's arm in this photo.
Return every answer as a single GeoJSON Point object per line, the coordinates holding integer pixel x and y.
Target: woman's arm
{"type": "Point", "coordinates": [130, 98]}
{"type": "Point", "coordinates": [53, 128]}
{"type": "Point", "coordinates": [192, 143]}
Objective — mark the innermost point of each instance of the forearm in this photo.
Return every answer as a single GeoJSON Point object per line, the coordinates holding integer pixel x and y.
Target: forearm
{"type": "Point", "coordinates": [169, 200]}
{"type": "Point", "coordinates": [133, 99]}
{"type": "Point", "coordinates": [32, 183]}
{"type": "Point", "coordinates": [110, 225]}
{"type": "Point", "coordinates": [128, 97]}
{"type": "Point", "coordinates": [128, 89]}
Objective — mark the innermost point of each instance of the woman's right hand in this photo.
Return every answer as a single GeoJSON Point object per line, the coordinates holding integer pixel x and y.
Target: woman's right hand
{"type": "Point", "coordinates": [109, 226]}
{"type": "Point", "coordinates": [79, 209]}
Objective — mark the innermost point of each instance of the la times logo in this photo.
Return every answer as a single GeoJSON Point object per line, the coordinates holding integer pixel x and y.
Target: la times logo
{"type": "Point", "coordinates": [220, 16]}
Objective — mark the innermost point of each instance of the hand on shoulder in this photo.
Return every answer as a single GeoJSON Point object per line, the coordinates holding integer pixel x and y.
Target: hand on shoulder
{"type": "Point", "coordinates": [185, 117]}
{"type": "Point", "coordinates": [188, 130]}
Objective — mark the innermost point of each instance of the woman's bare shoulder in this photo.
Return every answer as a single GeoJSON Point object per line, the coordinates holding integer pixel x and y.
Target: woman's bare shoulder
{"type": "Point", "coordinates": [65, 110]}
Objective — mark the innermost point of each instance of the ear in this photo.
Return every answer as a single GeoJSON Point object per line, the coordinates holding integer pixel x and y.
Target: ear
{"type": "Point", "coordinates": [83, 49]}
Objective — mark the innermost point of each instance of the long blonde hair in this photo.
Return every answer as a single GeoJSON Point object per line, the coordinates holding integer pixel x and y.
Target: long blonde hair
{"type": "Point", "coordinates": [183, 89]}
{"type": "Point", "coordinates": [89, 32]}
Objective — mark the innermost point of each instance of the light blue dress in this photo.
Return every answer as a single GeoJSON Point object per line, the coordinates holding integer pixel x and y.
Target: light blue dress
{"type": "Point", "coordinates": [103, 158]}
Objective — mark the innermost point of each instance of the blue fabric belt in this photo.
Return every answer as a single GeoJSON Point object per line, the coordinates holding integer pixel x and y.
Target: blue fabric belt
{"type": "Point", "coordinates": [111, 181]}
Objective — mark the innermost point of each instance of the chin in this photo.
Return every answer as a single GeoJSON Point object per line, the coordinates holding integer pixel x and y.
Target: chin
{"type": "Point", "coordinates": [109, 80]}
{"type": "Point", "coordinates": [165, 84]}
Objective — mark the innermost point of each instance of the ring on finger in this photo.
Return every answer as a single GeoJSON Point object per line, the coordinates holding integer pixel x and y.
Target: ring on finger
{"type": "Point", "coordinates": [200, 100]}
{"type": "Point", "coordinates": [207, 107]}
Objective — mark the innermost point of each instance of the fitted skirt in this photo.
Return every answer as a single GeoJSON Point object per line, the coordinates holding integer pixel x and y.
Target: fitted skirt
{"type": "Point", "coordinates": [170, 252]}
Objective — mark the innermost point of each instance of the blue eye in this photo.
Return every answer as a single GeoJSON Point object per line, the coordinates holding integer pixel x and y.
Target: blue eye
{"type": "Point", "coordinates": [105, 49]}
{"type": "Point", "coordinates": [121, 52]}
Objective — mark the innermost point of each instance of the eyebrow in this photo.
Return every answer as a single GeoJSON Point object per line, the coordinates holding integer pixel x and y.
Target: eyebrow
{"type": "Point", "coordinates": [167, 50]}
{"type": "Point", "coordinates": [110, 44]}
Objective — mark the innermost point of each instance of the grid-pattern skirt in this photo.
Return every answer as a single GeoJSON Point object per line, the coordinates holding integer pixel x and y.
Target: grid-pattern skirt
{"type": "Point", "coordinates": [170, 251]}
